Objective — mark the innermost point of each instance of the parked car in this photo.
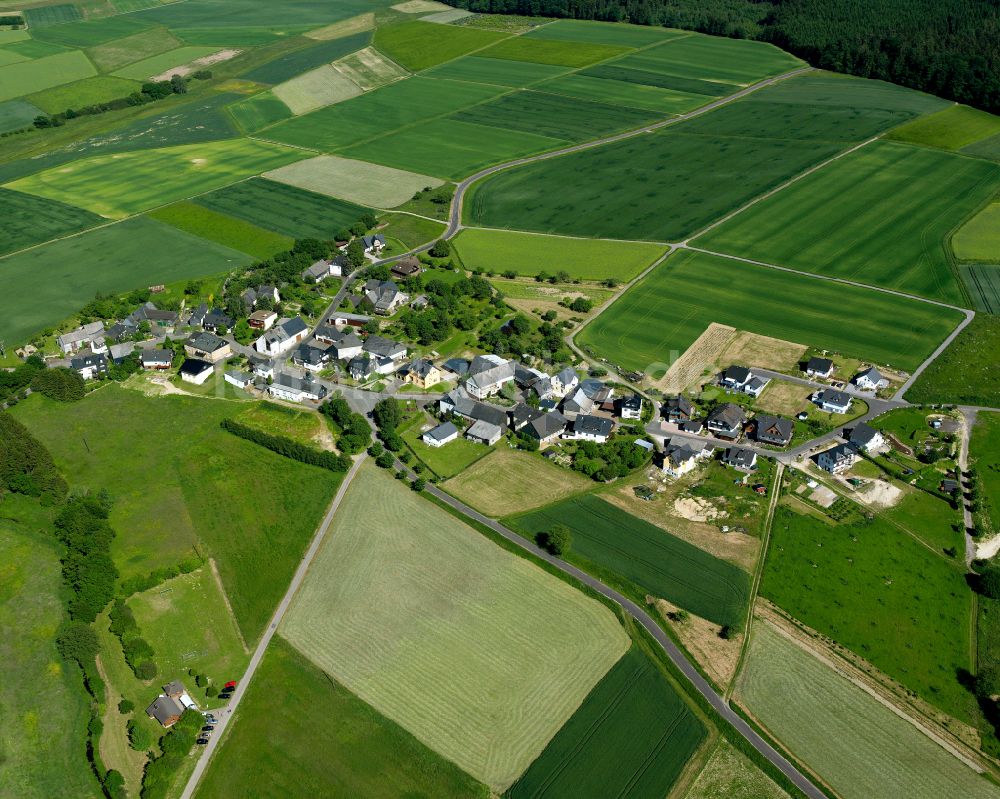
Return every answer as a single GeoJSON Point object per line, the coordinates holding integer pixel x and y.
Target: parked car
{"type": "Point", "coordinates": [208, 728]}
{"type": "Point", "coordinates": [202, 740]}
{"type": "Point", "coordinates": [229, 685]}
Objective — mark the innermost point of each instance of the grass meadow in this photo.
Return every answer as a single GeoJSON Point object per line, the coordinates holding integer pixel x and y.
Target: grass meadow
{"type": "Point", "coordinates": [979, 238]}
{"type": "Point", "coordinates": [30, 220]}
{"type": "Point", "coordinates": [529, 254]}
{"type": "Point", "coordinates": [86, 33]}
{"type": "Point", "coordinates": [961, 374]}
{"type": "Point", "coordinates": [632, 736]}
{"type": "Point", "coordinates": [728, 774]}
{"type": "Point", "coordinates": [438, 628]}
{"type": "Point", "coordinates": [378, 113]}
{"type": "Point", "coordinates": [879, 592]}
{"type": "Point", "coordinates": [49, 283]}
{"type": "Point", "coordinates": [363, 752]}
{"type": "Point", "coordinates": [446, 461]}
{"type": "Point", "coordinates": [411, 231]}
{"type": "Point", "coordinates": [953, 128]}
{"type": "Point", "coordinates": [257, 112]}
{"type": "Point", "coordinates": [508, 481]}
{"type": "Point", "coordinates": [44, 706]}
{"type": "Point", "coordinates": [228, 231]}
{"type": "Point", "coordinates": [182, 484]}
{"type": "Point", "coordinates": [418, 45]}
{"type": "Point", "coordinates": [355, 181]}
{"type": "Point", "coordinates": [861, 748]}
{"type": "Point", "coordinates": [643, 558]}
{"type": "Point", "coordinates": [985, 453]}
{"type": "Point", "coordinates": [27, 77]}
{"type": "Point", "coordinates": [880, 215]}
{"type": "Point", "coordinates": [284, 209]}
{"type": "Point", "coordinates": [127, 183]}
{"type": "Point", "coordinates": [89, 91]}
{"type": "Point", "coordinates": [303, 426]}
{"type": "Point", "coordinates": [662, 315]}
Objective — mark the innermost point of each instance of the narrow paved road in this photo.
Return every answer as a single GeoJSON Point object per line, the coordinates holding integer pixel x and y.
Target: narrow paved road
{"type": "Point", "coordinates": [678, 658]}
{"type": "Point", "coordinates": [225, 715]}
{"type": "Point", "coordinates": [968, 422]}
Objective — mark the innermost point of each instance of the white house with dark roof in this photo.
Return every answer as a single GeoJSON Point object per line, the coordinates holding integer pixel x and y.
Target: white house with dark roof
{"type": "Point", "coordinates": [742, 379]}
{"type": "Point", "coordinates": [343, 344]}
{"type": "Point", "coordinates": [296, 389]}
{"type": "Point", "coordinates": [283, 337]}
{"type": "Point", "coordinates": [866, 438]}
{"type": "Point", "coordinates": [87, 336]}
{"type": "Point", "coordinates": [726, 421]}
{"type": "Point", "coordinates": [384, 296]}
{"type": "Point", "coordinates": [156, 359]}
{"type": "Point", "coordinates": [373, 243]}
{"type": "Point", "coordinates": [440, 435]}
{"type": "Point", "coordinates": [487, 375]}
{"type": "Point", "coordinates": [564, 382]}
{"type": "Point", "coordinates": [819, 367]}
{"type": "Point", "coordinates": [208, 347]}
{"type": "Point", "coordinates": [546, 427]}
{"type": "Point", "coordinates": [833, 401]}
{"type": "Point", "coordinates": [590, 428]}
{"type": "Point", "coordinates": [869, 379]}
{"type": "Point", "coordinates": [483, 432]}
{"type": "Point", "coordinates": [744, 460]}
{"type": "Point", "coordinates": [90, 365]}
{"type": "Point", "coordinates": [195, 370]}
{"type": "Point", "coordinates": [774, 430]}
{"type": "Point", "coordinates": [838, 459]}
{"type": "Point", "coordinates": [238, 378]}
{"type": "Point", "coordinates": [324, 268]}
{"type": "Point", "coordinates": [629, 407]}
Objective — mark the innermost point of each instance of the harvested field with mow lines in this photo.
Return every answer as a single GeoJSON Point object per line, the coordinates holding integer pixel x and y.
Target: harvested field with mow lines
{"type": "Point", "coordinates": [621, 548]}
{"type": "Point", "coordinates": [662, 315]}
{"type": "Point", "coordinates": [369, 69]}
{"type": "Point", "coordinates": [632, 737]}
{"type": "Point", "coordinates": [855, 743]}
{"type": "Point", "coordinates": [439, 629]}
{"type": "Point", "coordinates": [314, 89]}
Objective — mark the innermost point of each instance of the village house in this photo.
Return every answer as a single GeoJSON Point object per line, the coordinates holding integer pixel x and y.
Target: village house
{"type": "Point", "coordinates": [208, 347]}
{"type": "Point", "coordinates": [546, 427]}
{"type": "Point", "coordinates": [630, 407]}
{"type": "Point", "coordinates": [197, 316]}
{"type": "Point", "coordinates": [262, 319]}
{"type": "Point", "coordinates": [323, 269]}
{"type": "Point", "coordinates": [238, 378]}
{"type": "Point", "coordinates": [440, 435]}
{"type": "Point", "coordinates": [740, 378]}
{"type": "Point", "coordinates": [727, 421]}
{"type": "Point", "coordinates": [217, 320]}
{"type": "Point", "coordinates": [422, 373]}
{"type": "Point", "coordinates": [744, 460]}
{"type": "Point", "coordinates": [483, 432]}
{"type": "Point", "coordinates": [341, 319]}
{"type": "Point", "coordinates": [90, 365]}
{"type": "Point", "coordinates": [407, 267]}
{"type": "Point", "coordinates": [487, 375]}
{"type": "Point", "coordinates": [819, 367]}
{"type": "Point", "coordinates": [866, 438]}
{"type": "Point", "coordinates": [577, 404]}
{"type": "Point", "coordinates": [148, 312]}
{"type": "Point", "coordinates": [254, 295]}
{"type": "Point", "coordinates": [838, 459]}
{"type": "Point", "coordinates": [869, 379]}
{"type": "Point", "coordinates": [832, 401]}
{"type": "Point", "coordinates": [459, 403]}
{"type": "Point", "coordinates": [680, 458]}
{"type": "Point", "coordinates": [693, 426]}
{"type": "Point", "coordinates": [296, 389]}
{"type": "Point", "coordinates": [195, 370]}
{"type": "Point", "coordinates": [343, 345]}
{"type": "Point", "coordinates": [373, 244]}
{"type": "Point", "coordinates": [310, 358]}
{"type": "Point", "coordinates": [119, 353]}
{"type": "Point", "coordinates": [677, 409]}
{"type": "Point", "coordinates": [457, 366]}
{"type": "Point", "coordinates": [361, 367]}
{"type": "Point", "coordinates": [773, 429]}
{"type": "Point", "coordinates": [380, 347]}
{"type": "Point", "coordinates": [283, 337]}
{"type": "Point", "coordinates": [169, 706]}
{"type": "Point", "coordinates": [564, 382]}
{"type": "Point", "coordinates": [88, 336]}
{"type": "Point", "coordinates": [591, 428]}
{"type": "Point", "coordinates": [384, 296]}
{"type": "Point", "coordinates": [156, 359]}
{"type": "Point", "coordinates": [262, 367]}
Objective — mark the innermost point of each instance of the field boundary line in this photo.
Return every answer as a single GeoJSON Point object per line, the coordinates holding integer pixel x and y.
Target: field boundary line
{"type": "Point", "coordinates": [771, 617]}
{"type": "Point", "coordinates": [225, 716]}
{"type": "Point", "coordinates": [225, 598]}
{"type": "Point", "coordinates": [564, 236]}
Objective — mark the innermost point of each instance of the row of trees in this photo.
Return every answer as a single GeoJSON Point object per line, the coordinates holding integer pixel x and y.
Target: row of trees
{"type": "Point", "coordinates": [288, 447]}
{"type": "Point", "coordinates": [26, 466]}
{"type": "Point", "coordinates": [946, 47]}
{"type": "Point", "coordinates": [138, 652]}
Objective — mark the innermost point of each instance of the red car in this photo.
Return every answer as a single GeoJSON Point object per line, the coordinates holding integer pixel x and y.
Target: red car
{"type": "Point", "coordinates": [231, 684]}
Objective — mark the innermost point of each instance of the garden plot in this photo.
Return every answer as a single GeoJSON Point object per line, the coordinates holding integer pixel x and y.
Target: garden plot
{"type": "Point", "coordinates": [355, 181]}
{"type": "Point", "coordinates": [438, 628]}
{"type": "Point", "coordinates": [317, 88]}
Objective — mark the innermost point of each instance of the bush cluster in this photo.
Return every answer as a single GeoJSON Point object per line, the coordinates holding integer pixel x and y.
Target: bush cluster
{"type": "Point", "coordinates": [26, 467]}
{"type": "Point", "coordinates": [138, 652]}
{"type": "Point", "coordinates": [88, 571]}
{"type": "Point", "coordinates": [355, 434]}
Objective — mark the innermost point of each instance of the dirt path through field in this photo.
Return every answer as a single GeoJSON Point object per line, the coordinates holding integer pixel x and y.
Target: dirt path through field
{"type": "Point", "coordinates": [199, 63]}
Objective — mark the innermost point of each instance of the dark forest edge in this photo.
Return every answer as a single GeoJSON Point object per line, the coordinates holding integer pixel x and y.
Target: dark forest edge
{"type": "Point", "coordinates": [950, 48]}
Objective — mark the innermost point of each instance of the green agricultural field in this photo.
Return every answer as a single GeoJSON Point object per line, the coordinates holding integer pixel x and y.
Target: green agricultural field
{"type": "Point", "coordinates": [363, 752]}
{"type": "Point", "coordinates": [507, 481]}
{"type": "Point", "coordinates": [632, 736]}
{"type": "Point", "coordinates": [89, 91]}
{"type": "Point", "coordinates": [451, 148]}
{"type": "Point", "coordinates": [985, 452]}
{"type": "Point", "coordinates": [117, 53]}
{"type": "Point", "coordinates": [409, 603]}
{"type": "Point", "coordinates": [861, 748]}
{"type": "Point", "coordinates": [169, 467]}
{"type": "Point", "coordinates": [162, 63]}
{"type": "Point", "coordinates": [418, 45]}
{"type": "Point", "coordinates": [52, 15]}
{"type": "Point", "coordinates": [987, 148]}
{"type": "Point", "coordinates": [411, 231]}
{"type": "Point", "coordinates": [223, 14]}
{"type": "Point", "coordinates": [660, 317]}
{"type": "Point", "coordinates": [369, 69]}
{"type": "Point", "coordinates": [615, 34]}
{"type": "Point", "coordinates": [43, 704]}
{"type": "Point", "coordinates": [643, 77]}
{"type": "Point", "coordinates": [314, 89]}
{"type": "Point", "coordinates": [91, 32]}
{"type": "Point", "coordinates": [555, 116]}
{"type": "Point", "coordinates": [979, 238]}
{"type": "Point", "coordinates": [355, 181]}
{"type": "Point", "coordinates": [498, 71]}
{"type": "Point", "coordinates": [528, 254]}
{"type": "Point", "coordinates": [47, 284]}
{"type": "Point", "coordinates": [124, 184]}
{"type": "Point", "coordinates": [643, 558]}
{"type": "Point", "coordinates": [228, 231]}
{"type": "Point", "coordinates": [304, 59]}
{"type": "Point", "coordinates": [34, 49]}
{"type": "Point", "coordinates": [30, 220]}
{"type": "Point", "coordinates": [728, 774]}
{"type": "Point", "coordinates": [554, 51]}
{"type": "Point", "coordinates": [879, 215]}
{"type": "Point", "coordinates": [17, 114]}
{"type": "Point", "coordinates": [879, 592]}
{"type": "Point", "coordinates": [27, 77]}
{"type": "Point", "coordinates": [380, 112]}
{"type": "Point", "coordinates": [929, 518]}
{"type": "Point", "coordinates": [736, 61]}
{"type": "Point", "coordinates": [8, 56]}
{"type": "Point", "coordinates": [961, 374]}
{"type": "Point", "coordinates": [983, 284]}
{"type": "Point", "coordinates": [660, 187]}
{"type": "Point", "coordinates": [951, 129]}
{"type": "Point", "coordinates": [259, 111]}
{"type": "Point", "coordinates": [625, 94]}
{"type": "Point", "coordinates": [284, 209]}
{"type": "Point", "coordinates": [191, 627]}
